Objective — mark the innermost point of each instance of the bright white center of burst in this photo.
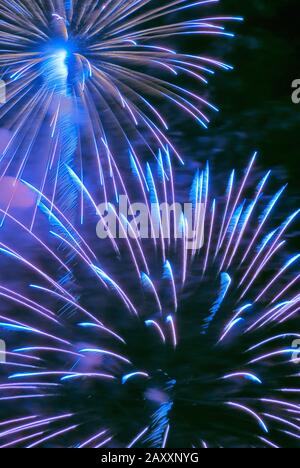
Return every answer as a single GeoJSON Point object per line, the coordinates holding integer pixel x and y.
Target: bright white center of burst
{"type": "Point", "coordinates": [62, 55]}
{"type": "Point", "coordinates": [60, 61]}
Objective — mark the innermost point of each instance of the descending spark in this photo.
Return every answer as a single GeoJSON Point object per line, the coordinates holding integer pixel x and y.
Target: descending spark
{"type": "Point", "coordinates": [86, 81]}
{"type": "Point", "coordinates": [156, 362]}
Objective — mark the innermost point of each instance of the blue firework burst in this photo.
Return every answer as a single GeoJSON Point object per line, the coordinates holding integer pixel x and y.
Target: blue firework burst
{"type": "Point", "coordinates": [86, 80]}
{"type": "Point", "coordinates": [165, 346]}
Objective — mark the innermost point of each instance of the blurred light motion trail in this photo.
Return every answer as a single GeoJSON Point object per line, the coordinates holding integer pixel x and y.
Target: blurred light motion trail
{"type": "Point", "coordinates": [86, 81]}
{"type": "Point", "coordinates": [119, 361]}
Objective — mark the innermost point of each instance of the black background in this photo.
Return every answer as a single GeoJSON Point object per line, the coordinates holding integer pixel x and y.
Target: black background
{"type": "Point", "coordinates": [256, 109]}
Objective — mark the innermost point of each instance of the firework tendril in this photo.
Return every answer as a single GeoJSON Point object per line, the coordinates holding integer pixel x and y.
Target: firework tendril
{"type": "Point", "coordinates": [85, 82]}
{"type": "Point", "coordinates": [163, 346]}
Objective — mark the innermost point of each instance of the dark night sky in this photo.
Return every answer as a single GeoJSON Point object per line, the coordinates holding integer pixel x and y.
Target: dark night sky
{"type": "Point", "coordinates": [255, 99]}
{"type": "Point", "coordinates": [258, 96]}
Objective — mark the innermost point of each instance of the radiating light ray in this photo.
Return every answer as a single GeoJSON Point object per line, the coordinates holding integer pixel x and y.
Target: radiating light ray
{"type": "Point", "coordinates": [238, 198]}
{"type": "Point", "coordinates": [101, 444]}
{"type": "Point", "coordinates": [28, 329]}
{"type": "Point", "coordinates": [92, 439]}
{"type": "Point", "coordinates": [265, 216]}
{"type": "Point", "coordinates": [127, 377]}
{"type": "Point", "coordinates": [149, 285]}
{"type": "Point", "coordinates": [249, 411]}
{"type": "Point", "coordinates": [113, 62]}
{"type": "Point", "coordinates": [168, 274]}
{"type": "Point", "coordinates": [286, 266]}
{"type": "Point", "coordinates": [158, 328]}
{"type": "Point", "coordinates": [269, 442]}
{"type": "Point", "coordinates": [247, 375]}
{"type": "Point", "coordinates": [22, 439]}
{"type": "Point", "coordinates": [104, 352]}
{"type": "Point", "coordinates": [282, 420]}
{"type": "Point", "coordinates": [138, 437]}
{"type": "Point", "coordinates": [166, 361]}
{"type": "Point", "coordinates": [52, 436]}
{"type": "Point", "coordinates": [101, 327]}
{"type": "Point", "coordinates": [170, 320]}
{"type": "Point", "coordinates": [273, 338]}
{"type": "Point", "coordinates": [264, 261]}
{"type": "Point", "coordinates": [38, 423]}
{"type": "Point", "coordinates": [271, 355]}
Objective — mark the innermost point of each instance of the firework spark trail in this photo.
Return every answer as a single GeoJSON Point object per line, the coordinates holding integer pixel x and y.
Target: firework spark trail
{"type": "Point", "coordinates": [161, 353]}
{"type": "Point", "coordinates": [83, 77]}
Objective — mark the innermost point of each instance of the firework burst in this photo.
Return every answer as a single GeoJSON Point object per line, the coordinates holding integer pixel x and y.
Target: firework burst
{"type": "Point", "coordinates": [163, 347]}
{"type": "Point", "coordinates": [85, 81]}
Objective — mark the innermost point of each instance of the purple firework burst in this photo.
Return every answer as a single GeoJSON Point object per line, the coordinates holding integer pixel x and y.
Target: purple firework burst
{"type": "Point", "coordinates": [165, 346]}
{"type": "Point", "coordinates": [85, 81]}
